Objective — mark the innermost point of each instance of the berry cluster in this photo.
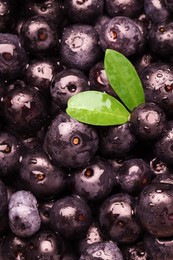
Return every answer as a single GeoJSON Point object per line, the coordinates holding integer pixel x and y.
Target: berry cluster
{"type": "Point", "coordinates": [69, 189]}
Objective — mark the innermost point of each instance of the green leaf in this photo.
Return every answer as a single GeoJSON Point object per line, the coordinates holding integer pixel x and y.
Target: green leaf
{"type": "Point", "coordinates": [97, 108]}
{"type": "Point", "coordinates": [124, 79]}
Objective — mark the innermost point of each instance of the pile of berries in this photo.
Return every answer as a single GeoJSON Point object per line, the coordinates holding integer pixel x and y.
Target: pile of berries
{"type": "Point", "coordinates": [70, 190]}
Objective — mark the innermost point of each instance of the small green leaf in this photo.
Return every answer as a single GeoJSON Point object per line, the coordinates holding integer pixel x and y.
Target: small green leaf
{"type": "Point", "coordinates": [97, 108]}
{"type": "Point", "coordinates": [124, 79]}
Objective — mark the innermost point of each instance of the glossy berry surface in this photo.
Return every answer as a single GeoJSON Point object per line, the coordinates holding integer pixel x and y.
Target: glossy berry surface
{"type": "Point", "coordinates": [134, 175]}
{"type": "Point", "coordinates": [38, 35]}
{"type": "Point", "coordinates": [130, 8]}
{"type": "Point", "coordinates": [70, 217]}
{"type": "Point", "coordinates": [116, 140]}
{"type": "Point", "coordinates": [67, 83]}
{"type": "Point", "coordinates": [157, 79]}
{"type": "Point", "coordinates": [117, 218]}
{"type": "Point", "coordinates": [82, 11]}
{"type": "Point", "coordinates": [46, 245]}
{"type": "Point", "coordinates": [13, 57]}
{"type": "Point", "coordinates": [79, 47]}
{"type": "Point", "coordinates": [154, 209]}
{"type": "Point", "coordinates": [70, 139]}
{"type": "Point", "coordinates": [95, 181]}
{"type": "Point", "coordinates": [122, 34]}
{"type": "Point", "coordinates": [148, 121]}
{"type": "Point", "coordinates": [163, 147]}
{"type": "Point", "coordinates": [39, 175]}
{"type": "Point", "coordinates": [24, 110]}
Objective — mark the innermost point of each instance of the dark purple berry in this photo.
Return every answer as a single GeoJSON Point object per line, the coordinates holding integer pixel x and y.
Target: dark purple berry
{"type": "Point", "coordinates": [67, 83]}
{"type": "Point", "coordinates": [79, 47]}
{"type": "Point", "coordinates": [118, 220]}
{"type": "Point", "coordinates": [95, 181]}
{"type": "Point", "coordinates": [71, 217]}
{"type": "Point", "coordinates": [70, 139]}
{"type": "Point", "coordinates": [148, 121]}
{"type": "Point", "coordinates": [155, 210]}
{"type": "Point", "coordinates": [83, 11]}
{"type": "Point", "coordinates": [121, 34]}
{"type": "Point", "coordinates": [134, 175]}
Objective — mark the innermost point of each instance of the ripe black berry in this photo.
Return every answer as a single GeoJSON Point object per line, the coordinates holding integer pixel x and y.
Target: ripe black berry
{"type": "Point", "coordinates": [155, 210]}
{"type": "Point", "coordinates": [148, 121]}
{"type": "Point", "coordinates": [79, 47]}
{"type": "Point", "coordinates": [70, 217]}
{"type": "Point", "coordinates": [67, 83]}
{"type": "Point", "coordinates": [121, 34]}
{"type": "Point", "coordinates": [95, 181]}
{"type": "Point", "coordinates": [72, 140]}
{"type": "Point", "coordinates": [117, 218]}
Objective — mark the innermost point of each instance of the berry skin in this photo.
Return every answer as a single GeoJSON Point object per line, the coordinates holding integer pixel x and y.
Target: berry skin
{"type": "Point", "coordinates": [116, 140]}
{"type": "Point", "coordinates": [164, 146]}
{"type": "Point", "coordinates": [67, 83]}
{"type": "Point", "coordinates": [102, 251]}
{"type": "Point", "coordinates": [158, 248]}
{"type": "Point", "coordinates": [121, 34]}
{"type": "Point", "coordinates": [148, 121]}
{"type": "Point", "coordinates": [156, 10]}
{"type": "Point", "coordinates": [117, 219]}
{"type": "Point", "coordinates": [157, 80]}
{"type": "Point", "coordinates": [136, 251]}
{"type": "Point", "coordinates": [82, 11]}
{"type": "Point", "coordinates": [51, 10]}
{"type": "Point", "coordinates": [130, 8]}
{"type": "Point", "coordinates": [24, 219]}
{"type": "Point", "coordinates": [70, 139]}
{"type": "Point", "coordinates": [134, 175]}
{"type": "Point", "coordinates": [24, 110]}
{"type": "Point", "coordinates": [71, 217]}
{"type": "Point", "coordinates": [39, 35]}
{"type": "Point", "coordinates": [79, 47]}
{"type": "Point", "coordinates": [10, 152]}
{"type": "Point", "coordinates": [99, 80]}
{"type": "Point", "coordinates": [39, 175]}
{"type": "Point", "coordinates": [39, 73]}
{"type": "Point", "coordinates": [44, 245]}
{"type": "Point", "coordinates": [17, 247]}
{"type": "Point", "coordinates": [161, 38]}
{"type": "Point", "coordinates": [95, 181]}
{"type": "Point", "coordinates": [13, 59]}
{"type": "Point", "coordinates": [93, 235]}
{"type": "Point", "coordinates": [155, 209]}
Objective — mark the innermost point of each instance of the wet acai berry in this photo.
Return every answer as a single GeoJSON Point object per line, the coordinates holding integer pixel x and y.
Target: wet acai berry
{"type": "Point", "coordinates": [117, 218]}
{"type": "Point", "coordinates": [134, 175]}
{"type": "Point", "coordinates": [13, 58]}
{"type": "Point", "coordinates": [70, 217]}
{"type": "Point", "coordinates": [70, 139]}
{"type": "Point", "coordinates": [95, 181]}
{"type": "Point", "coordinates": [148, 121]}
{"type": "Point", "coordinates": [122, 34]}
{"type": "Point", "coordinates": [154, 209]}
{"type": "Point", "coordinates": [67, 83]}
{"type": "Point", "coordinates": [44, 245]}
{"type": "Point", "coordinates": [79, 47]}
{"type": "Point", "coordinates": [82, 11]}
{"type": "Point", "coordinates": [39, 175]}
